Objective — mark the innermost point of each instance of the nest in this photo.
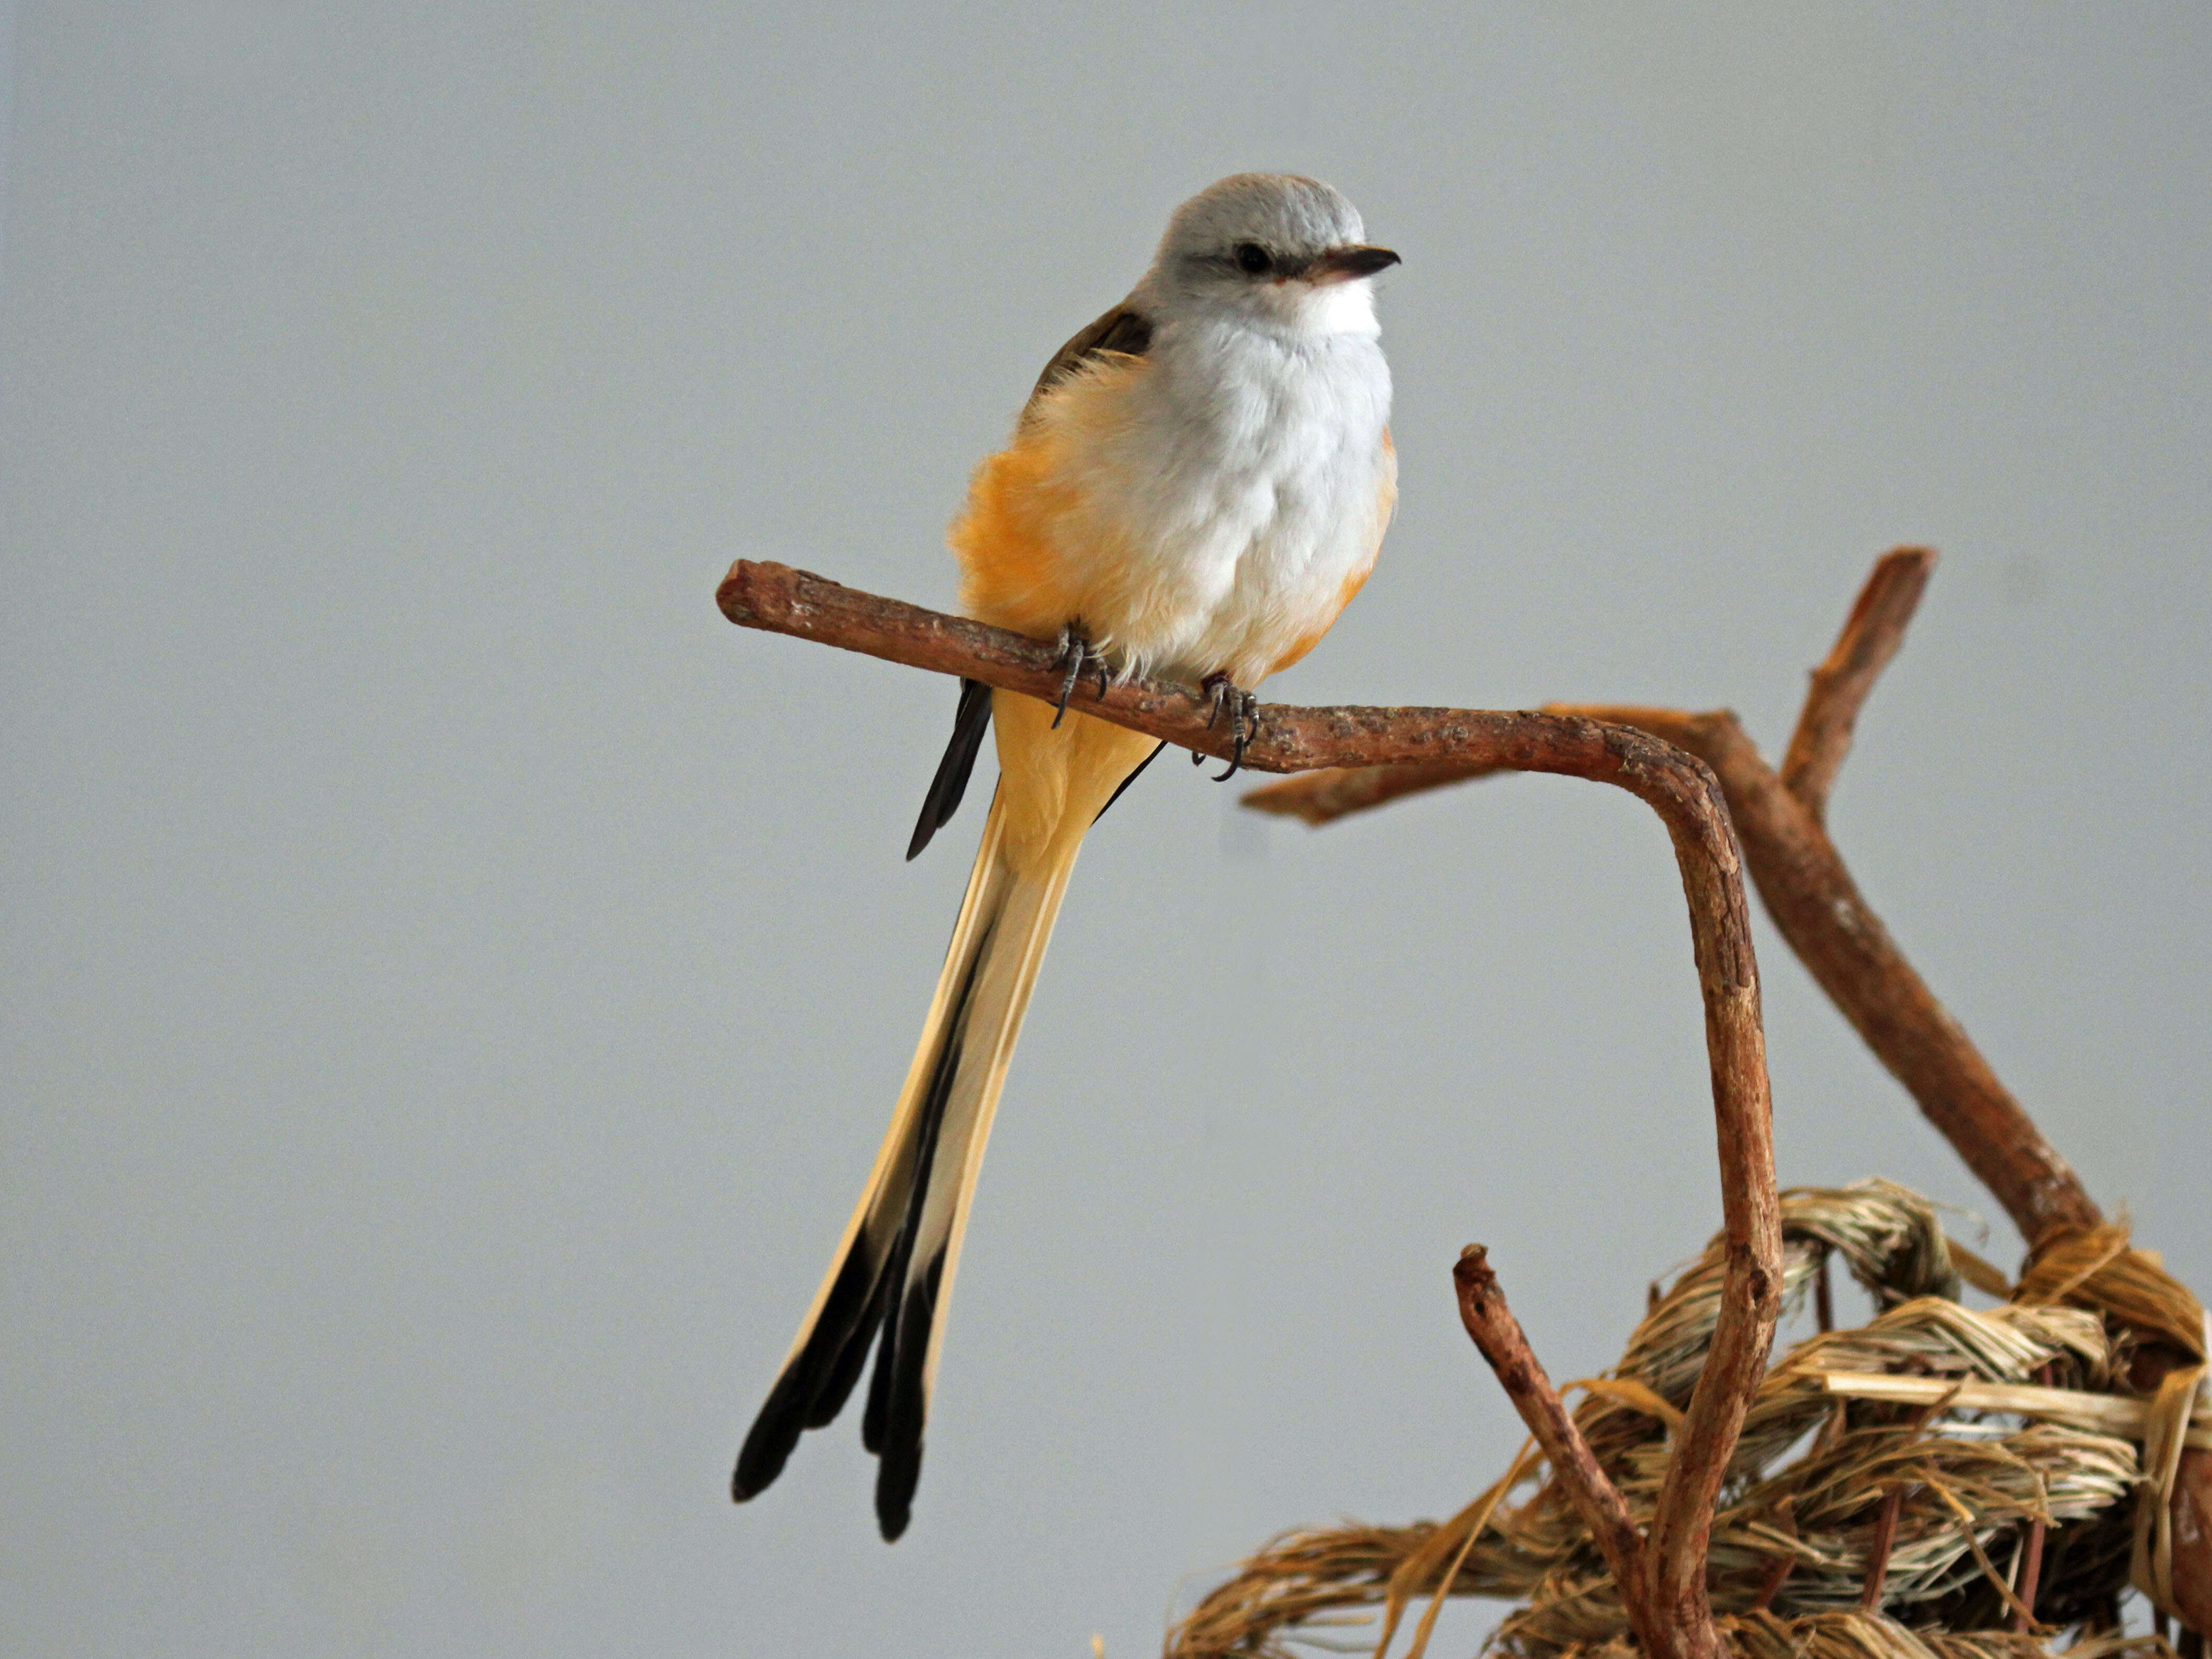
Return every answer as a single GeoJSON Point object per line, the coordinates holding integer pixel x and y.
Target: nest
{"type": "Point", "coordinates": [1942, 1483]}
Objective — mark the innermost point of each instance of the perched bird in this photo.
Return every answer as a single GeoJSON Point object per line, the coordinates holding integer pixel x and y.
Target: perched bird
{"type": "Point", "coordinates": [1196, 488]}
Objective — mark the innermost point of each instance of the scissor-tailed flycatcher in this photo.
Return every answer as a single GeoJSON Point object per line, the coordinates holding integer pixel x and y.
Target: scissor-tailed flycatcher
{"type": "Point", "coordinates": [1198, 485]}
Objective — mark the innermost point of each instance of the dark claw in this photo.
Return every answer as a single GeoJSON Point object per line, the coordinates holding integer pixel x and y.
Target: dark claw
{"type": "Point", "coordinates": [1213, 685]}
{"type": "Point", "coordinates": [1076, 654]}
{"type": "Point", "coordinates": [1071, 653]}
{"type": "Point", "coordinates": [1244, 710]}
{"type": "Point", "coordinates": [1247, 727]}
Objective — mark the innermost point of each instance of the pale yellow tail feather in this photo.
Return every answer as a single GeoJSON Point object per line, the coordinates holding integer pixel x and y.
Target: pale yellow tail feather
{"type": "Point", "coordinates": [895, 1264]}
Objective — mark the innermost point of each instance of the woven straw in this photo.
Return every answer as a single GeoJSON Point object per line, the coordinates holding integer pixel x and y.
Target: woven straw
{"type": "Point", "coordinates": [1792, 1569]}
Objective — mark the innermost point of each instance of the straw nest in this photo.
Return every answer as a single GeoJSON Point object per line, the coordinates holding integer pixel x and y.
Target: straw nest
{"type": "Point", "coordinates": [1892, 1486]}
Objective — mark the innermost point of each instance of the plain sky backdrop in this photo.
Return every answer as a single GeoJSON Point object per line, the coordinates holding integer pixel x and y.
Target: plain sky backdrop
{"type": "Point", "coordinates": [455, 982]}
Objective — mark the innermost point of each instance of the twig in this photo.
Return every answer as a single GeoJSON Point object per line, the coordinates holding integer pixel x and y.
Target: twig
{"type": "Point", "coordinates": [1322, 797]}
{"type": "Point", "coordinates": [1885, 1535]}
{"type": "Point", "coordinates": [1680, 788]}
{"type": "Point", "coordinates": [2031, 1569]}
{"type": "Point", "coordinates": [1810, 893]}
{"type": "Point", "coordinates": [1871, 635]}
{"type": "Point", "coordinates": [1497, 1334]}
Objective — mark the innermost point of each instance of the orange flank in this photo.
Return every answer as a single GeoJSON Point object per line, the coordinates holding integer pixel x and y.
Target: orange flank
{"type": "Point", "coordinates": [1009, 573]}
{"type": "Point", "coordinates": [1352, 583]}
{"type": "Point", "coordinates": [1035, 554]}
{"type": "Point", "coordinates": [1038, 545]}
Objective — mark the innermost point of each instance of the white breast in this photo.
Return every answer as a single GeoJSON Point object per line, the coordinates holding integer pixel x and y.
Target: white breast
{"type": "Point", "coordinates": [1247, 483]}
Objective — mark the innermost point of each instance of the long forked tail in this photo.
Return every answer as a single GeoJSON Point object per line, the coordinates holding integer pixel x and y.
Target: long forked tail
{"type": "Point", "coordinates": [893, 1271]}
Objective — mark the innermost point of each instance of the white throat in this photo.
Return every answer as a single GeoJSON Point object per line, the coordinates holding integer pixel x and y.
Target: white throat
{"type": "Point", "coordinates": [1290, 311]}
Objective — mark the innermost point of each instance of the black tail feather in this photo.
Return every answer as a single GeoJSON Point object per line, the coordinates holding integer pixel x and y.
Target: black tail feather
{"type": "Point", "coordinates": [869, 1297]}
{"type": "Point", "coordinates": [970, 723]}
{"type": "Point", "coordinates": [845, 1371]}
{"type": "Point", "coordinates": [815, 1383]}
{"type": "Point", "coordinates": [905, 1402]}
{"type": "Point", "coordinates": [946, 1068]}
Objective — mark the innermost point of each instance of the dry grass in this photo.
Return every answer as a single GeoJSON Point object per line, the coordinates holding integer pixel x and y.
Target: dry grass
{"type": "Point", "coordinates": [1818, 1481]}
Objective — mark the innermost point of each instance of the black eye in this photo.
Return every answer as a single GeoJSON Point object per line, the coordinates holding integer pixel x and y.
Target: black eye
{"type": "Point", "coordinates": [1252, 260]}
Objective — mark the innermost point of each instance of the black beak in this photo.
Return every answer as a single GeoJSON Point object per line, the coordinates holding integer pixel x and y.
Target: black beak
{"type": "Point", "coordinates": [1345, 265]}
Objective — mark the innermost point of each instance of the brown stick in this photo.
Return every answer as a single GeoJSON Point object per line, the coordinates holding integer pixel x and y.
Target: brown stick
{"type": "Point", "coordinates": [1810, 893]}
{"type": "Point", "coordinates": [1672, 783]}
{"type": "Point", "coordinates": [1497, 1334]}
{"type": "Point", "coordinates": [1322, 797]}
{"type": "Point", "coordinates": [1871, 634]}
{"type": "Point", "coordinates": [2031, 1571]}
{"type": "Point", "coordinates": [1885, 1536]}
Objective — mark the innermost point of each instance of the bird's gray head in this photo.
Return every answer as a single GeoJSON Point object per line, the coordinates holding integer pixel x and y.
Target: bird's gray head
{"type": "Point", "coordinates": [1271, 246]}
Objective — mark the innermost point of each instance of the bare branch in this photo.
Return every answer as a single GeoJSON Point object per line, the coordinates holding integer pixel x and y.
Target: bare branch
{"type": "Point", "coordinates": [1677, 786]}
{"type": "Point", "coordinates": [1869, 639]}
{"type": "Point", "coordinates": [1482, 1310]}
{"type": "Point", "coordinates": [1323, 795]}
{"type": "Point", "coordinates": [1335, 791]}
{"type": "Point", "coordinates": [2031, 1571]}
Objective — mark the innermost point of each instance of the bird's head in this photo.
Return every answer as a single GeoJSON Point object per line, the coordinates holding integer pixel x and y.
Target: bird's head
{"type": "Point", "coordinates": [1281, 250]}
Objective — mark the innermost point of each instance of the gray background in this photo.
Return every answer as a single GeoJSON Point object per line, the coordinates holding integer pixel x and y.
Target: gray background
{"type": "Point", "coordinates": [455, 982]}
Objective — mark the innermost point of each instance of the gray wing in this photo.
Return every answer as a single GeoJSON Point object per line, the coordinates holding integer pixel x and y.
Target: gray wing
{"type": "Point", "coordinates": [1120, 331]}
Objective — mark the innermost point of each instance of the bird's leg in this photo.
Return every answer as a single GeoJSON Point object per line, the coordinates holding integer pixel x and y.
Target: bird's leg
{"type": "Point", "coordinates": [1243, 708]}
{"type": "Point", "coordinates": [1076, 654]}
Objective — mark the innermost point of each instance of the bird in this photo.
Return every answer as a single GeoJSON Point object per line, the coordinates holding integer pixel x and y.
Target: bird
{"type": "Point", "coordinates": [1197, 486]}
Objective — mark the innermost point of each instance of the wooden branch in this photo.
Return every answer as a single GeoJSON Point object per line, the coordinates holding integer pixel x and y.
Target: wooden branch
{"type": "Point", "coordinates": [2030, 1572]}
{"type": "Point", "coordinates": [1322, 797]}
{"type": "Point", "coordinates": [1809, 892]}
{"type": "Point", "coordinates": [1677, 786]}
{"type": "Point", "coordinates": [1497, 1334]}
{"type": "Point", "coordinates": [1871, 635]}
{"type": "Point", "coordinates": [1327, 793]}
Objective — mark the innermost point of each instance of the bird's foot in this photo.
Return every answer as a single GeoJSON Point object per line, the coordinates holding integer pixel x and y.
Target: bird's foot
{"type": "Point", "coordinates": [1242, 708]}
{"type": "Point", "coordinates": [1076, 656]}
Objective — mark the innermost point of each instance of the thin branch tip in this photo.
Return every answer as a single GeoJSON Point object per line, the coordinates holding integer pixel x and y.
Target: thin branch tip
{"type": "Point", "coordinates": [1842, 683]}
